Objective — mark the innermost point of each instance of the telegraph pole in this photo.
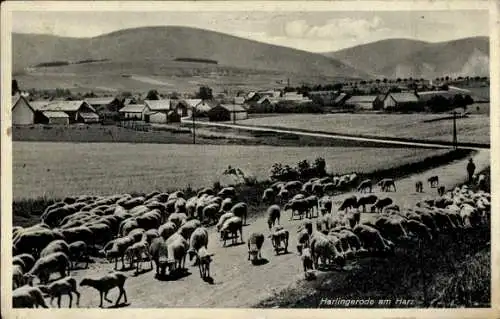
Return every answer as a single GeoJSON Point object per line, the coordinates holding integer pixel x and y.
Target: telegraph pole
{"type": "Point", "coordinates": [192, 118]}
{"type": "Point", "coordinates": [234, 113]}
{"type": "Point", "coordinates": [455, 142]}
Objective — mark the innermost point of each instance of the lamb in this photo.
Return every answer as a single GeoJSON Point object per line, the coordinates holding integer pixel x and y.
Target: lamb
{"type": "Point", "coordinates": [419, 187]}
{"type": "Point", "coordinates": [278, 236]}
{"type": "Point", "coordinates": [28, 297]}
{"type": "Point", "coordinates": [433, 181]}
{"type": "Point", "coordinates": [364, 186]}
{"type": "Point", "coordinates": [240, 210]}
{"type": "Point", "coordinates": [302, 240]}
{"type": "Point", "coordinates": [380, 204]}
{"type": "Point", "coordinates": [107, 282]}
{"type": "Point", "coordinates": [26, 261]}
{"type": "Point", "coordinates": [307, 261]}
{"type": "Point", "coordinates": [255, 242]}
{"type": "Point", "coordinates": [441, 190]}
{"type": "Point", "coordinates": [55, 246]}
{"type": "Point", "coordinates": [366, 200]}
{"type": "Point", "coordinates": [273, 215]}
{"type": "Point", "coordinates": [386, 184]}
{"type": "Point", "coordinates": [136, 252]}
{"type": "Point", "coordinates": [78, 251]}
{"type": "Point", "coordinates": [349, 202]}
{"type": "Point", "coordinates": [166, 230]}
{"type": "Point", "coordinates": [177, 250]}
{"type": "Point", "coordinates": [231, 227]}
{"type": "Point", "coordinates": [203, 258]}
{"type": "Point", "coordinates": [56, 262]}
{"type": "Point", "coordinates": [188, 228]}
{"type": "Point", "coordinates": [64, 286]}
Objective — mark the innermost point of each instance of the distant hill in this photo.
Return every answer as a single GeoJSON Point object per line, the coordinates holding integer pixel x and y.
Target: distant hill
{"type": "Point", "coordinates": [169, 43]}
{"type": "Point", "coordinates": [394, 58]}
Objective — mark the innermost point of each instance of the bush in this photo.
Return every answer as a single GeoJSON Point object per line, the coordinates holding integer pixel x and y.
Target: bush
{"type": "Point", "coordinates": [304, 170]}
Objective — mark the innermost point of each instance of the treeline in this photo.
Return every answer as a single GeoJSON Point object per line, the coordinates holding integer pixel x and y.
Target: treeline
{"type": "Point", "coordinates": [62, 63]}
{"type": "Point", "coordinates": [196, 60]}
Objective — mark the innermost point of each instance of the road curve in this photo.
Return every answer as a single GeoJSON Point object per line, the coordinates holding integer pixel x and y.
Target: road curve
{"type": "Point", "coordinates": [237, 283]}
{"type": "Point", "coordinates": [324, 135]}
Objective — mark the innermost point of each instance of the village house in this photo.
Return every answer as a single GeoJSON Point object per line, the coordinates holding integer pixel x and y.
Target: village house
{"type": "Point", "coordinates": [77, 111]}
{"type": "Point", "coordinates": [53, 118]}
{"type": "Point", "coordinates": [325, 98]}
{"type": "Point", "coordinates": [105, 103]}
{"type": "Point", "coordinates": [340, 99]}
{"type": "Point", "coordinates": [226, 112]}
{"type": "Point", "coordinates": [157, 110]}
{"type": "Point", "coordinates": [405, 101]}
{"type": "Point", "coordinates": [22, 112]}
{"type": "Point", "coordinates": [133, 111]}
{"type": "Point", "coordinates": [201, 106]}
{"type": "Point", "coordinates": [365, 102]}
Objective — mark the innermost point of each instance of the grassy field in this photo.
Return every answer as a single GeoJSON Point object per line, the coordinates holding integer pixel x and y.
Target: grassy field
{"type": "Point", "coordinates": [61, 169]}
{"type": "Point", "coordinates": [475, 128]}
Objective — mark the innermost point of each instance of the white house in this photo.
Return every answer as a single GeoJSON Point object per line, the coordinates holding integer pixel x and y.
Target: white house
{"type": "Point", "coordinates": [133, 111]}
{"type": "Point", "coordinates": [156, 110]}
{"type": "Point", "coordinates": [22, 112]}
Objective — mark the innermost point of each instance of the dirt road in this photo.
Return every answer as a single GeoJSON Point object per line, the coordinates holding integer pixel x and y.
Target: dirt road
{"type": "Point", "coordinates": [237, 283]}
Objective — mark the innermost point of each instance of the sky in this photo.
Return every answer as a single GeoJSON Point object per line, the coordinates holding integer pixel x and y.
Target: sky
{"type": "Point", "coordinates": [310, 31]}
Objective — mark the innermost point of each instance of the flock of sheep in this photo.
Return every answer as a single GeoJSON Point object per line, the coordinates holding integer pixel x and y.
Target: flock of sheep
{"type": "Point", "coordinates": [164, 229]}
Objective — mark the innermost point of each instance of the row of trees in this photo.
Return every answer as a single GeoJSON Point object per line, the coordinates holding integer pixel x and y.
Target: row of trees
{"type": "Point", "coordinates": [440, 103]}
{"type": "Point", "coordinates": [303, 170]}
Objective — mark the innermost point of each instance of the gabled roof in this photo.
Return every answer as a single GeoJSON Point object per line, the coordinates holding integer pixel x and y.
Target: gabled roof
{"type": "Point", "coordinates": [65, 106]}
{"type": "Point", "coordinates": [403, 97]}
{"type": "Point", "coordinates": [38, 105]}
{"type": "Point", "coordinates": [192, 102]}
{"type": "Point", "coordinates": [89, 115]}
{"type": "Point", "coordinates": [133, 108]}
{"type": "Point", "coordinates": [233, 107]}
{"type": "Point", "coordinates": [16, 98]}
{"type": "Point", "coordinates": [158, 105]}
{"type": "Point", "coordinates": [339, 98]}
{"type": "Point", "coordinates": [361, 99]}
{"type": "Point", "coordinates": [270, 99]}
{"type": "Point", "coordinates": [55, 114]}
{"type": "Point", "coordinates": [100, 100]}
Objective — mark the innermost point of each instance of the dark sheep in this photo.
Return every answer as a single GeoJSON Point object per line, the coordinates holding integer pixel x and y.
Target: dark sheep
{"type": "Point", "coordinates": [349, 202]}
{"type": "Point", "coordinates": [433, 181]}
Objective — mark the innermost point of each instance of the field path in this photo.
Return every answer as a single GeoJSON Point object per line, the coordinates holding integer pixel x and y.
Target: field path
{"type": "Point", "coordinates": [381, 140]}
{"type": "Point", "coordinates": [237, 283]}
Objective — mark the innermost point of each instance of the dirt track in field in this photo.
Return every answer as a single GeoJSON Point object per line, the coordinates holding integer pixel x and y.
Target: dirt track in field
{"type": "Point", "coordinates": [238, 283]}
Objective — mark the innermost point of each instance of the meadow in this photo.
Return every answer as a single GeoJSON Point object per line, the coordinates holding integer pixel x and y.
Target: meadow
{"type": "Point", "coordinates": [473, 129]}
{"type": "Point", "coordinates": [55, 170]}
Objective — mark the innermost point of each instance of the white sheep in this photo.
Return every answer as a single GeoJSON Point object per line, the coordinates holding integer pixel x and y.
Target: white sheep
{"type": "Point", "coordinates": [230, 229]}
{"type": "Point", "coordinates": [198, 239]}
{"type": "Point", "coordinates": [136, 253]}
{"type": "Point", "coordinates": [64, 286]}
{"type": "Point", "coordinates": [222, 220]}
{"type": "Point", "coordinates": [56, 262]}
{"type": "Point", "coordinates": [177, 250]}
{"type": "Point", "coordinates": [307, 261]}
{"type": "Point", "coordinates": [107, 282]}
{"type": "Point", "coordinates": [28, 297]}
{"type": "Point", "coordinates": [116, 249]}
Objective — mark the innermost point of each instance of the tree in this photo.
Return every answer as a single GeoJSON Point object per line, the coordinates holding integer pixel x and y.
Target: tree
{"type": "Point", "coordinates": [15, 87]}
{"type": "Point", "coordinates": [152, 95]}
{"type": "Point", "coordinates": [384, 80]}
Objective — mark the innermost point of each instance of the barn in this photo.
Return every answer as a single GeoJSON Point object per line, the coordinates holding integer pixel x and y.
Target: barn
{"type": "Point", "coordinates": [133, 111]}
{"type": "Point", "coordinates": [55, 118]}
{"type": "Point", "coordinates": [404, 101]}
{"type": "Point", "coordinates": [227, 112]}
{"type": "Point", "coordinates": [364, 102]}
{"type": "Point", "coordinates": [156, 110]}
{"type": "Point", "coordinates": [22, 112]}
{"type": "Point", "coordinates": [77, 111]}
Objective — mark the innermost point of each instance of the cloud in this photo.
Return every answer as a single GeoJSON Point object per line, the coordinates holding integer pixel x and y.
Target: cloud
{"type": "Point", "coordinates": [333, 28]}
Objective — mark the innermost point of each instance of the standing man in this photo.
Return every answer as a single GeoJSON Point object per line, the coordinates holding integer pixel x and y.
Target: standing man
{"type": "Point", "coordinates": [471, 167]}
